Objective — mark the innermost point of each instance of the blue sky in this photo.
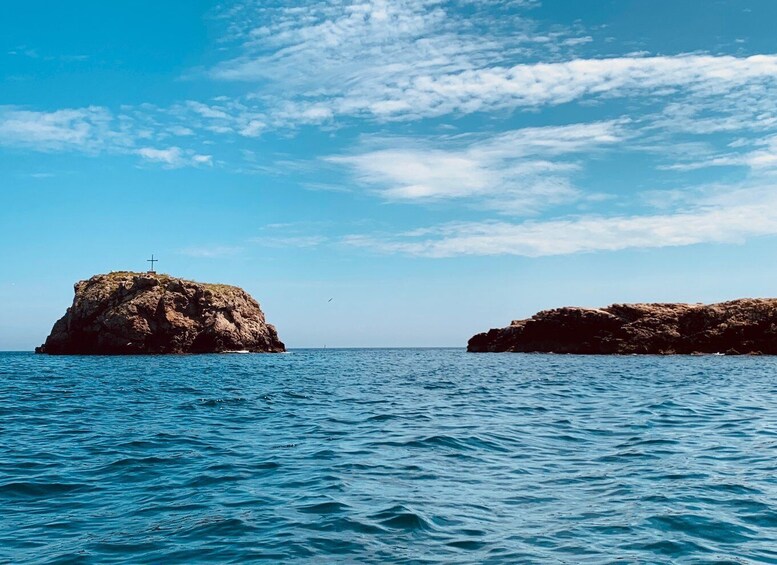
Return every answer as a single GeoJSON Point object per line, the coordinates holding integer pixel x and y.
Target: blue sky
{"type": "Point", "coordinates": [436, 168]}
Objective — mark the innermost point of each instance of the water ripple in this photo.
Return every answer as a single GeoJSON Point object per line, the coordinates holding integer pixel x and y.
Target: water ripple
{"type": "Point", "coordinates": [388, 456]}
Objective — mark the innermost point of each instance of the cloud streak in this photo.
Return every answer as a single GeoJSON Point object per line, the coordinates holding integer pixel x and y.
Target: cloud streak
{"type": "Point", "coordinates": [412, 60]}
{"type": "Point", "coordinates": [723, 218]}
{"type": "Point", "coordinates": [761, 158]}
{"type": "Point", "coordinates": [517, 172]}
{"type": "Point", "coordinates": [363, 58]}
{"type": "Point", "coordinates": [91, 129]}
{"type": "Point", "coordinates": [211, 252]}
{"type": "Point", "coordinates": [174, 157]}
{"type": "Point", "coordinates": [371, 64]}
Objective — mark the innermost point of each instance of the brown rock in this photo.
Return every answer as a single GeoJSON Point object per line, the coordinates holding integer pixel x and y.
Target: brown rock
{"type": "Point", "coordinates": [739, 325]}
{"type": "Point", "coordinates": [133, 313]}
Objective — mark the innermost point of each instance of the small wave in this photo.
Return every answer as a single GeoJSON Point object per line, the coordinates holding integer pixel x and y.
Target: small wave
{"type": "Point", "coordinates": [678, 477]}
{"type": "Point", "coordinates": [217, 527]}
{"type": "Point", "coordinates": [125, 462]}
{"type": "Point", "coordinates": [265, 466]}
{"type": "Point", "coordinates": [764, 519]}
{"type": "Point", "coordinates": [222, 401]}
{"type": "Point", "coordinates": [402, 518]}
{"type": "Point", "coordinates": [733, 488]}
{"type": "Point", "coordinates": [382, 417]}
{"type": "Point", "coordinates": [701, 527]}
{"type": "Point", "coordinates": [207, 480]}
{"type": "Point", "coordinates": [469, 443]}
{"type": "Point", "coordinates": [336, 523]}
{"type": "Point", "coordinates": [295, 395]}
{"type": "Point", "coordinates": [670, 548]}
{"type": "Point", "coordinates": [652, 442]}
{"type": "Point", "coordinates": [178, 507]}
{"type": "Point", "coordinates": [331, 507]}
{"type": "Point", "coordinates": [469, 545]}
{"type": "Point", "coordinates": [626, 455]}
{"type": "Point", "coordinates": [351, 457]}
{"type": "Point", "coordinates": [38, 489]}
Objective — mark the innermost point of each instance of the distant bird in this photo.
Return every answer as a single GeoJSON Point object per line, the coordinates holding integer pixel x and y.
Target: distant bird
{"type": "Point", "coordinates": [330, 300]}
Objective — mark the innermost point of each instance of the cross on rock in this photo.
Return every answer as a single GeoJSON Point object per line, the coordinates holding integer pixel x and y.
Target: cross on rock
{"type": "Point", "coordinates": [152, 261]}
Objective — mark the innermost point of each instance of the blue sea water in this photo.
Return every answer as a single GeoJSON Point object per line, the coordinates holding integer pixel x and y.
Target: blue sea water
{"type": "Point", "coordinates": [388, 456]}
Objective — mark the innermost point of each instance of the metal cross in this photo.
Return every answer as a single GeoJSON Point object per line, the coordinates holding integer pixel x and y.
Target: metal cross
{"type": "Point", "coordinates": [152, 261]}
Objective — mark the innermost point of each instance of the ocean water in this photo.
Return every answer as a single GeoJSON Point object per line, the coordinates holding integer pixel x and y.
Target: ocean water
{"type": "Point", "coordinates": [388, 456]}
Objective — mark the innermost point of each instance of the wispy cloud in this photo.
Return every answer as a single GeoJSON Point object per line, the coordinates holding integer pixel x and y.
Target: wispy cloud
{"type": "Point", "coordinates": [211, 252]}
{"type": "Point", "coordinates": [174, 157]}
{"type": "Point", "coordinates": [410, 60]}
{"type": "Point", "coordinates": [344, 62]}
{"type": "Point", "coordinates": [364, 58]}
{"type": "Point", "coordinates": [92, 129]}
{"type": "Point", "coordinates": [32, 53]}
{"type": "Point", "coordinates": [219, 116]}
{"type": "Point", "coordinates": [342, 41]}
{"type": "Point", "coordinates": [530, 85]}
{"type": "Point", "coordinates": [516, 171]}
{"type": "Point", "coordinates": [380, 61]}
{"type": "Point", "coordinates": [292, 235]}
{"type": "Point", "coordinates": [374, 63]}
{"type": "Point", "coordinates": [762, 155]}
{"type": "Point", "coordinates": [728, 216]}
{"type": "Point", "coordinates": [291, 241]}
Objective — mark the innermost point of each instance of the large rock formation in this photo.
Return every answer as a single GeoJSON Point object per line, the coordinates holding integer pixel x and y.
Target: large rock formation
{"type": "Point", "coordinates": [130, 313]}
{"type": "Point", "coordinates": [739, 326]}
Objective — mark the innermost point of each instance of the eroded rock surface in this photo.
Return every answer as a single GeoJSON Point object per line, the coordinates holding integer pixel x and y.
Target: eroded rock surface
{"type": "Point", "coordinates": [134, 313]}
{"type": "Point", "coordinates": [740, 326]}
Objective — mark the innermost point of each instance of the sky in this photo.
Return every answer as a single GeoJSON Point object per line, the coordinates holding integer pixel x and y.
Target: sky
{"type": "Point", "coordinates": [435, 168]}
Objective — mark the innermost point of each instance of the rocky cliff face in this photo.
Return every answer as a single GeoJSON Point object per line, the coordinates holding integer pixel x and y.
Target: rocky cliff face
{"type": "Point", "coordinates": [129, 313]}
{"type": "Point", "coordinates": [739, 326]}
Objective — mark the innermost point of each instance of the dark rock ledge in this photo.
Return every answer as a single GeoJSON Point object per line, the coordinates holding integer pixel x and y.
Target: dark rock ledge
{"type": "Point", "coordinates": [135, 313]}
{"type": "Point", "coordinates": [743, 326]}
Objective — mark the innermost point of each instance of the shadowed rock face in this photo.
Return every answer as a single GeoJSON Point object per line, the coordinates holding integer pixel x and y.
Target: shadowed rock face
{"type": "Point", "coordinates": [134, 313]}
{"type": "Point", "coordinates": [740, 326]}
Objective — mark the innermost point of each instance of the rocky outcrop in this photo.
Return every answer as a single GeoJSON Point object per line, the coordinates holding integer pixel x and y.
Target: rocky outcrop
{"type": "Point", "coordinates": [134, 313]}
{"type": "Point", "coordinates": [738, 326]}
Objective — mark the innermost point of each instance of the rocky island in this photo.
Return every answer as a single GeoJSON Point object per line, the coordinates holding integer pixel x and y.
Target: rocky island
{"type": "Point", "coordinates": [134, 313]}
{"type": "Point", "coordinates": [736, 327]}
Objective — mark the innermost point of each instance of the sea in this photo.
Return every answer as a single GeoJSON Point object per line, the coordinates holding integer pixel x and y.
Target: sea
{"type": "Point", "coordinates": [388, 456]}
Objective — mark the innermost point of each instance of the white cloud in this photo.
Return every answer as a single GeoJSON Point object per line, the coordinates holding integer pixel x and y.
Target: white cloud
{"type": "Point", "coordinates": [762, 158]}
{"type": "Point", "coordinates": [291, 241]}
{"type": "Point", "coordinates": [202, 159]}
{"type": "Point", "coordinates": [211, 252]}
{"type": "Point", "coordinates": [327, 38]}
{"type": "Point", "coordinates": [540, 84]}
{"type": "Point", "coordinates": [721, 217]}
{"type": "Point", "coordinates": [180, 131]}
{"type": "Point", "coordinates": [337, 60]}
{"type": "Point", "coordinates": [418, 94]}
{"type": "Point", "coordinates": [253, 128]}
{"type": "Point", "coordinates": [91, 129]}
{"type": "Point", "coordinates": [327, 61]}
{"type": "Point", "coordinates": [173, 157]}
{"type": "Point", "coordinates": [320, 60]}
{"type": "Point", "coordinates": [517, 171]}
{"type": "Point", "coordinates": [220, 116]}
{"type": "Point", "coordinates": [414, 59]}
